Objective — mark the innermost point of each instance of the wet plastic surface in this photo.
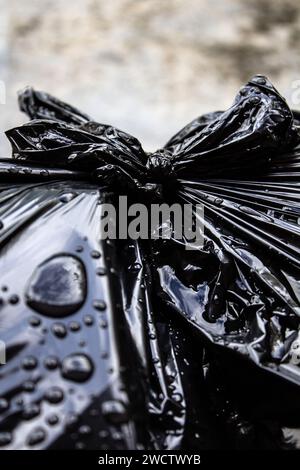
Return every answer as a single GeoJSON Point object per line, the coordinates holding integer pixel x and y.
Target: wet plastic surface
{"type": "Point", "coordinates": [146, 345]}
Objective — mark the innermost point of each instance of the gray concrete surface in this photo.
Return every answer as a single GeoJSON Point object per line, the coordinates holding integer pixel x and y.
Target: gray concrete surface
{"type": "Point", "coordinates": [146, 66]}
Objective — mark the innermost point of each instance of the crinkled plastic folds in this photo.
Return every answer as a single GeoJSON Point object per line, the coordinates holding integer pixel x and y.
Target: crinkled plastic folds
{"type": "Point", "coordinates": [124, 344]}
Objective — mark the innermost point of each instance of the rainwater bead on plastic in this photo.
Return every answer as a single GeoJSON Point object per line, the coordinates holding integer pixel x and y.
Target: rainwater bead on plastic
{"type": "Point", "coordinates": [58, 286]}
{"type": "Point", "coordinates": [88, 320]}
{"type": "Point", "coordinates": [67, 197]}
{"type": "Point", "coordinates": [36, 436]}
{"type": "Point", "coordinates": [85, 430]}
{"type": "Point", "coordinates": [99, 305]}
{"type": "Point", "coordinates": [52, 419]}
{"type": "Point", "coordinates": [34, 321]}
{"type": "Point", "coordinates": [51, 362]}
{"type": "Point", "coordinates": [59, 330]}
{"type": "Point", "coordinates": [29, 386]}
{"type": "Point", "coordinates": [29, 363]}
{"type": "Point", "coordinates": [135, 267]}
{"type": "Point", "coordinates": [114, 411]}
{"type": "Point", "coordinates": [218, 201]}
{"type": "Point", "coordinates": [74, 326]}
{"type": "Point", "coordinates": [13, 299]}
{"type": "Point", "coordinates": [101, 271]}
{"type": "Point", "coordinates": [77, 367]}
{"type": "Point", "coordinates": [54, 395]}
{"type": "Point", "coordinates": [30, 411]}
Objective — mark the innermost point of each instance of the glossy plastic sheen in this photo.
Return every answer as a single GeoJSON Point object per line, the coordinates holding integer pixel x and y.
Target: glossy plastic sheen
{"type": "Point", "coordinates": [140, 344]}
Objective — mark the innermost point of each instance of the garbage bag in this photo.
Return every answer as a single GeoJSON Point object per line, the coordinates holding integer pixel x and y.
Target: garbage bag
{"type": "Point", "coordinates": [142, 344]}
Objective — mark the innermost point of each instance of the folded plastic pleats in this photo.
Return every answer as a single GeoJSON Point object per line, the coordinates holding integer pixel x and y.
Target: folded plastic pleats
{"type": "Point", "coordinates": [143, 344]}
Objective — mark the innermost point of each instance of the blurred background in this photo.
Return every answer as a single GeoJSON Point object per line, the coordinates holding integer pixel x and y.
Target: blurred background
{"type": "Point", "coordinates": [145, 66]}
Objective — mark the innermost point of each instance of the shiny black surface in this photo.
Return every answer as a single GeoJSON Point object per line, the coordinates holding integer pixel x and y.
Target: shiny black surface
{"type": "Point", "coordinates": [138, 344]}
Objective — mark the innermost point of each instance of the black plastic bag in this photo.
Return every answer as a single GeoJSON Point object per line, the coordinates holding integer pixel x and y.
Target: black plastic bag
{"type": "Point", "coordinates": [140, 345]}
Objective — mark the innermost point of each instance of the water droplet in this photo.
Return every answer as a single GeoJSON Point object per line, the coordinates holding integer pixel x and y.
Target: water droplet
{"type": "Point", "coordinates": [54, 395]}
{"type": "Point", "coordinates": [34, 321]}
{"type": "Point", "coordinates": [59, 330]}
{"type": "Point", "coordinates": [74, 326]}
{"type": "Point", "coordinates": [51, 362]}
{"type": "Point", "coordinates": [101, 271]}
{"type": "Point", "coordinates": [67, 197]}
{"type": "Point", "coordinates": [114, 411]}
{"type": "Point", "coordinates": [29, 363]}
{"type": "Point", "coordinates": [88, 320]}
{"type": "Point", "coordinates": [29, 386]}
{"type": "Point", "coordinates": [85, 430]}
{"type": "Point", "coordinates": [77, 367]}
{"type": "Point", "coordinates": [218, 201]}
{"type": "Point", "coordinates": [14, 299]}
{"type": "Point", "coordinates": [58, 286]}
{"type": "Point", "coordinates": [52, 420]}
{"type": "Point", "coordinates": [99, 305]}
{"type": "Point", "coordinates": [31, 411]}
{"type": "Point", "coordinates": [36, 436]}
{"type": "Point", "coordinates": [134, 267]}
